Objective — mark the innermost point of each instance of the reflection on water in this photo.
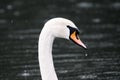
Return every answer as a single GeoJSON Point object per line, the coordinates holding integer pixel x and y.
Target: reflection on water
{"type": "Point", "coordinates": [98, 21]}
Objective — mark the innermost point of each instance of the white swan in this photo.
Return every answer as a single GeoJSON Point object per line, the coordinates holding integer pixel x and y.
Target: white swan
{"type": "Point", "coordinates": [56, 27]}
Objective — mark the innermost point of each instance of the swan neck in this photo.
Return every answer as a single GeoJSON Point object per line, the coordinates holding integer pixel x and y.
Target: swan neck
{"type": "Point", "coordinates": [45, 56]}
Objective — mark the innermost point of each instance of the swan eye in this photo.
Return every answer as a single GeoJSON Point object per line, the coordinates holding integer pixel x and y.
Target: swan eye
{"type": "Point", "coordinates": [73, 30]}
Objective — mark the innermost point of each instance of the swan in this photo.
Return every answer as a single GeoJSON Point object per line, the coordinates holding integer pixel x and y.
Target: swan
{"type": "Point", "coordinates": [55, 27]}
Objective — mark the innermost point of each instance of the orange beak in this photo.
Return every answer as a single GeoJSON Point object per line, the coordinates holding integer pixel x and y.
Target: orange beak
{"type": "Point", "coordinates": [75, 38]}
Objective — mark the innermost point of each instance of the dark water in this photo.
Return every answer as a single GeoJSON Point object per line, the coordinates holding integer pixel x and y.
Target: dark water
{"type": "Point", "coordinates": [99, 22]}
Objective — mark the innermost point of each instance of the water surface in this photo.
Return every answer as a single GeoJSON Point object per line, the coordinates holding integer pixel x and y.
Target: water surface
{"type": "Point", "coordinates": [98, 21]}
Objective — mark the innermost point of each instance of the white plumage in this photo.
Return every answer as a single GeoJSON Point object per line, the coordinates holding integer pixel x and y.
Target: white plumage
{"type": "Point", "coordinates": [56, 27]}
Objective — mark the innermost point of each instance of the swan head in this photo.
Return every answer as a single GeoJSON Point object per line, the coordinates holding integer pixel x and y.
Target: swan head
{"type": "Point", "coordinates": [64, 28]}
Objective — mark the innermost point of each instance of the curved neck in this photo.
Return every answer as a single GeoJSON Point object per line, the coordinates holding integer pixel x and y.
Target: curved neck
{"type": "Point", "coordinates": [45, 56]}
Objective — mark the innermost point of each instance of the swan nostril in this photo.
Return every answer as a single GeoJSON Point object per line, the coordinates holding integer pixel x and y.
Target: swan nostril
{"type": "Point", "coordinates": [77, 36]}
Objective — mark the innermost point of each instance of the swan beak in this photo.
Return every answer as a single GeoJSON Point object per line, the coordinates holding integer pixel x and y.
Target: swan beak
{"type": "Point", "coordinates": [75, 38]}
